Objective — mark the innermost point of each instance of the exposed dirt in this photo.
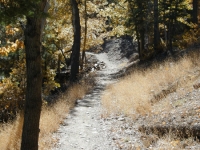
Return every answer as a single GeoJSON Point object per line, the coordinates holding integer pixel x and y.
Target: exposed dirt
{"type": "Point", "coordinates": [84, 128]}
{"type": "Point", "coordinates": [179, 123]}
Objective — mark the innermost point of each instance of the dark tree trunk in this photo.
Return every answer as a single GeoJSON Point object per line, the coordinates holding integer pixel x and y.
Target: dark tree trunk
{"type": "Point", "coordinates": [77, 42]}
{"type": "Point", "coordinates": [85, 38]}
{"type": "Point", "coordinates": [33, 104]}
{"type": "Point", "coordinates": [170, 30]}
{"type": "Point", "coordinates": [169, 45]}
{"type": "Point", "coordinates": [142, 42]}
{"type": "Point", "coordinates": [165, 29]}
{"type": "Point", "coordinates": [59, 64]}
{"type": "Point", "coordinates": [156, 28]}
{"type": "Point", "coordinates": [195, 11]}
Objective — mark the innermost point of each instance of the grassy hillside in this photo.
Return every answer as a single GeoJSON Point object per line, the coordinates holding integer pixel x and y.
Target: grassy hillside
{"type": "Point", "coordinates": [162, 100]}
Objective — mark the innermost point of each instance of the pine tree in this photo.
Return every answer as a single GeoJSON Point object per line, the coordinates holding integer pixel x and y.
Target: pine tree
{"type": "Point", "coordinates": [140, 21]}
{"type": "Point", "coordinates": [156, 27]}
{"type": "Point", "coordinates": [174, 15]}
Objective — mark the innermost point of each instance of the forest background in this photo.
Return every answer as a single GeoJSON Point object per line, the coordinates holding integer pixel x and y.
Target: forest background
{"type": "Point", "coordinates": [157, 27]}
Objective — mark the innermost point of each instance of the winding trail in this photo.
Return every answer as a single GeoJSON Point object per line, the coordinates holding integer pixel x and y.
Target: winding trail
{"type": "Point", "coordinates": [83, 129]}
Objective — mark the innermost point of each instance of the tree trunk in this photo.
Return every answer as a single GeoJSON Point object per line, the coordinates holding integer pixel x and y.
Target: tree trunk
{"type": "Point", "coordinates": [59, 64]}
{"type": "Point", "coordinates": [142, 43]}
{"type": "Point", "coordinates": [195, 11]}
{"type": "Point", "coordinates": [77, 42]}
{"type": "Point", "coordinates": [156, 28]}
{"type": "Point", "coordinates": [85, 38]}
{"type": "Point", "coordinates": [33, 104]}
{"type": "Point", "coordinates": [170, 30]}
{"type": "Point", "coordinates": [169, 45]}
{"type": "Point", "coordinates": [165, 29]}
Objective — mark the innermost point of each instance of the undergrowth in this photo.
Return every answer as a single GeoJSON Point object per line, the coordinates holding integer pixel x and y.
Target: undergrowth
{"type": "Point", "coordinates": [51, 118]}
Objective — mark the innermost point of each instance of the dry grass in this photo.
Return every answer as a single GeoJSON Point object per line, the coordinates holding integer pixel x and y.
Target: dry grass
{"type": "Point", "coordinates": [51, 118]}
{"type": "Point", "coordinates": [169, 142]}
{"type": "Point", "coordinates": [131, 95]}
{"type": "Point", "coordinates": [10, 134]}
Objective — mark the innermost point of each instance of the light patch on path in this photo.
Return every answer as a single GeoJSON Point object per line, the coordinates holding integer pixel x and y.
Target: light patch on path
{"type": "Point", "coordinates": [84, 129]}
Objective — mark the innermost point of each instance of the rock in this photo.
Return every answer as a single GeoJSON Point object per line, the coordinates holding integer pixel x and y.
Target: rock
{"type": "Point", "coordinates": [95, 65]}
{"type": "Point", "coordinates": [119, 48]}
{"type": "Point", "coordinates": [92, 70]}
{"type": "Point", "coordinates": [114, 138]}
{"type": "Point", "coordinates": [121, 119]}
{"type": "Point", "coordinates": [129, 132]}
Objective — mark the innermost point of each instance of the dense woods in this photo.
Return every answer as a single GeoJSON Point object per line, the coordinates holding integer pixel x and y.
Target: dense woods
{"type": "Point", "coordinates": [43, 44]}
{"type": "Point", "coordinates": [162, 26]}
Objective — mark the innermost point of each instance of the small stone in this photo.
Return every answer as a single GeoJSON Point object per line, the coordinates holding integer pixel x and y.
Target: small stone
{"type": "Point", "coordinates": [121, 119]}
{"type": "Point", "coordinates": [114, 138]}
{"type": "Point", "coordinates": [128, 132]}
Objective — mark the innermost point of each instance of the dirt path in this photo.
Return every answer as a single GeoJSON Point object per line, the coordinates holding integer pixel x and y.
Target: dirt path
{"type": "Point", "coordinates": [84, 128]}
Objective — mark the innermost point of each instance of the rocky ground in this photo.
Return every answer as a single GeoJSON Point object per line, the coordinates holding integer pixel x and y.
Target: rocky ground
{"type": "Point", "coordinates": [87, 128]}
{"type": "Point", "coordinates": [84, 128]}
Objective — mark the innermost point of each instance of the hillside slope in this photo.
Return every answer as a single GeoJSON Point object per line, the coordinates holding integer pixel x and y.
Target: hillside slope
{"type": "Point", "coordinates": [156, 107]}
{"type": "Point", "coordinates": [159, 104]}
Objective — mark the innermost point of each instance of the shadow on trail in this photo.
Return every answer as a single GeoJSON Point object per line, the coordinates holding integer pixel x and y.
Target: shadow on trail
{"type": "Point", "coordinates": [89, 100]}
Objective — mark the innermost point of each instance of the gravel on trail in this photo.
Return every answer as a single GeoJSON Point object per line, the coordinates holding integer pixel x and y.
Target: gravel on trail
{"type": "Point", "coordinates": [84, 128]}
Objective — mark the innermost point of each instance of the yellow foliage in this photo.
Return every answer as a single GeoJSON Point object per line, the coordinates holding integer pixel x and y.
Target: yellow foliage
{"type": "Point", "coordinates": [12, 47]}
{"type": "Point", "coordinates": [188, 38]}
{"type": "Point", "coordinates": [11, 30]}
{"type": "Point", "coordinates": [50, 84]}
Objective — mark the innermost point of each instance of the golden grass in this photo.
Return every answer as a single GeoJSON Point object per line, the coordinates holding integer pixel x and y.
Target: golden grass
{"type": "Point", "coordinates": [10, 134]}
{"type": "Point", "coordinates": [169, 142]}
{"type": "Point", "coordinates": [132, 94]}
{"type": "Point", "coordinates": [51, 118]}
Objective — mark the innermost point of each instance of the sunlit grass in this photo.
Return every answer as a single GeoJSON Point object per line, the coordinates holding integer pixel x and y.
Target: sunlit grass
{"type": "Point", "coordinates": [51, 118]}
{"type": "Point", "coordinates": [131, 95]}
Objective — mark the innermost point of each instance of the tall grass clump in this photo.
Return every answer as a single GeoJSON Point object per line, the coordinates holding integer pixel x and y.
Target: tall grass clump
{"type": "Point", "coordinates": [51, 118]}
{"type": "Point", "coordinates": [132, 94]}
